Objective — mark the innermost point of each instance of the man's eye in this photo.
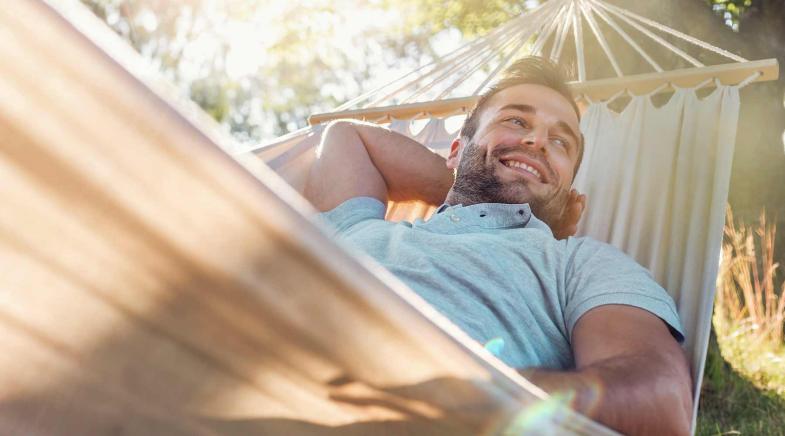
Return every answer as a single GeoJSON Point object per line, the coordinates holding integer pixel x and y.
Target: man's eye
{"type": "Point", "coordinates": [517, 121]}
{"type": "Point", "coordinates": [559, 142]}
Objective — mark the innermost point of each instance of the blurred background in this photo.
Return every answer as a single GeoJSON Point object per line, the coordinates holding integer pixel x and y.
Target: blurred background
{"type": "Point", "coordinates": [260, 68]}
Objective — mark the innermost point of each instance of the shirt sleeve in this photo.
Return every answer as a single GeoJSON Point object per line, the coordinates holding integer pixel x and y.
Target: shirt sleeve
{"type": "Point", "coordinates": [600, 274]}
{"type": "Point", "coordinates": [352, 212]}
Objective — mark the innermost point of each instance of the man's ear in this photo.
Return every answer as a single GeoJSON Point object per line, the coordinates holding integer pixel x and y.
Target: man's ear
{"type": "Point", "coordinates": [456, 149]}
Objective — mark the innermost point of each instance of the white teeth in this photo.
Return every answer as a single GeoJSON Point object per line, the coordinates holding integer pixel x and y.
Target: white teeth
{"type": "Point", "coordinates": [516, 164]}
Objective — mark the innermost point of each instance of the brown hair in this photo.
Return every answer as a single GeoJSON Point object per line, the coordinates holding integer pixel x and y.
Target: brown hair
{"type": "Point", "coordinates": [529, 70]}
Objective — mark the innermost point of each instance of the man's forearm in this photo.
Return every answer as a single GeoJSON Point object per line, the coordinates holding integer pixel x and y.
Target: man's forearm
{"type": "Point", "coordinates": [410, 170]}
{"type": "Point", "coordinates": [624, 394]}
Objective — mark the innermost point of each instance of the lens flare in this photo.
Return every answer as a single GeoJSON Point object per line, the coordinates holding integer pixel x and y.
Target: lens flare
{"type": "Point", "coordinates": [495, 346]}
{"type": "Point", "coordinates": [543, 418]}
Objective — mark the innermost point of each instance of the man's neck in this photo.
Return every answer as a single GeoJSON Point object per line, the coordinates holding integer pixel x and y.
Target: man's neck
{"type": "Point", "coordinates": [455, 198]}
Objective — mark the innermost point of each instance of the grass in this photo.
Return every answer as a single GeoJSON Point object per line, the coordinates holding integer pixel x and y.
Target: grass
{"type": "Point", "coordinates": [744, 381]}
{"type": "Point", "coordinates": [731, 404]}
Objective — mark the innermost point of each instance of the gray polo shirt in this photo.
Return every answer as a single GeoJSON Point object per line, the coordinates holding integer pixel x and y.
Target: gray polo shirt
{"type": "Point", "coordinates": [497, 272]}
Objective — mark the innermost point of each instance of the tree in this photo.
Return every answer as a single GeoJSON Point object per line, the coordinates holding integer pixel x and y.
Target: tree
{"type": "Point", "coordinates": [285, 66]}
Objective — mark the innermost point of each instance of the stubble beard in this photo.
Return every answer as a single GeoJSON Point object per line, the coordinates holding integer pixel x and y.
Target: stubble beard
{"type": "Point", "coordinates": [476, 182]}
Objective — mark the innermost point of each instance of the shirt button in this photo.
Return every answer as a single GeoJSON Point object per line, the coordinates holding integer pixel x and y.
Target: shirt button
{"type": "Point", "coordinates": [454, 218]}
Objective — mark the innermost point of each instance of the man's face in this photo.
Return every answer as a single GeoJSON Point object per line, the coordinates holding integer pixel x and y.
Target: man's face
{"type": "Point", "coordinates": [524, 151]}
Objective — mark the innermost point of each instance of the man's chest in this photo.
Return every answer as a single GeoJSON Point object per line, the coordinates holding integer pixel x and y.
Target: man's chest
{"type": "Point", "coordinates": [505, 288]}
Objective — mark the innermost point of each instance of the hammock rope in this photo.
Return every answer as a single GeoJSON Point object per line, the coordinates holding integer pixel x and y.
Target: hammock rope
{"type": "Point", "coordinates": [626, 37]}
{"type": "Point", "coordinates": [507, 59]}
{"type": "Point", "coordinates": [754, 76]}
{"type": "Point", "coordinates": [523, 34]}
{"type": "Point", "coordinates": [473, 60]}
{"type": "Point", "coordinates": [652, 35]}
{"type": "Point", "coordinates": [435, 64]}
{"type": "Point", "coordinates": [468, 52]}
{"type": "Point", "coordinates": [564, 30]}
{"type": "Point", "coordinates": [543, 37]}
{"type": "Point", "coordinates": [674, 32]}
{"type": "Point", "coordinates": [578, 33]}
{"type": "Point", "coordinates": [587, 12]}
{"type": "Point", "coordinates": [521, 38]}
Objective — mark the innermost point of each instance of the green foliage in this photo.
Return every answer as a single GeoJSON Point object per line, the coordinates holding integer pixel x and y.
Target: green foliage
{"type": "Point", "coordinates": [258, 68]}
{"type": "Point", "coordinates": [744, 380]}
{"type": "Point", "coordinates": [731, 404]}
{"type": "Point", "coordinates": [749, 300]}
{"type": "Point", "coordinates": [472, 17]}
{"type": "Point", "coordinates": [731, 11]}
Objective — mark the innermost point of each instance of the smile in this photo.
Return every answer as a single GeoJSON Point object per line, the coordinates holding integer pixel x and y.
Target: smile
{"type": "Point", "coordinates": [522, 166]}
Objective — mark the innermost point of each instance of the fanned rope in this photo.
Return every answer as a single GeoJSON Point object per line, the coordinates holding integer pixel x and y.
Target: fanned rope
{"type": "Point", "coordinates": [482, 44]}
{"type": "Point", "coordinates": [661, 27]}
{"type": "Point", "coordinates": [587, 12]}
{"type": "Point", "coordinates": [550, 17]}
{"type": "Point", "coordinates": [553, 21]}
{"type": "Point", "coordinates": [625, 36]}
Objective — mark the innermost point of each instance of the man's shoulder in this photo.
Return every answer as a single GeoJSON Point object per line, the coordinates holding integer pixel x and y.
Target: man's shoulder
{"type": "Point", "coordinates": [585, 251]}
{"type": "Point", "coordinates": [589, 244]}
{"type": "Point", "coordinates": [352, 212]}
{"type": "Point", "coordinates": [599, 273]}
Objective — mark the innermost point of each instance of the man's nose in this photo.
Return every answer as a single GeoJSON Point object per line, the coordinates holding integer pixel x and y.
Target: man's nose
{"type": "Point", "coordinates": [535, 139]}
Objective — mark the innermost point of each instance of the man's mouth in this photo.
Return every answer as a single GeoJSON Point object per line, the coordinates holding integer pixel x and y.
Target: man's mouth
{"type": "Point", "coordinates": [522, 167]}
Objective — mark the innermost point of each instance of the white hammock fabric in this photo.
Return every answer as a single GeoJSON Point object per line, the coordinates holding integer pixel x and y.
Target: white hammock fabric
{"type": "Point", "coordinates": [656, 179]}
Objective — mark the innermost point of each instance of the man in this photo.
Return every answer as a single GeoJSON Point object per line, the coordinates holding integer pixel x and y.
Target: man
{"type": "Point", "coordinates": [575, 316]}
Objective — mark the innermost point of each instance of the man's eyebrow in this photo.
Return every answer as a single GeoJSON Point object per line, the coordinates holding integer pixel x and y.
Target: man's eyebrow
{"type": "Point", "coordinates": [566, 127]}
{"type": "Point", "coordinates": [521, 108]}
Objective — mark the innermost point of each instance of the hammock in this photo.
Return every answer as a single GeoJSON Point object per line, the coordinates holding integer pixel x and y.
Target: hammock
{"type": "Point", "coordinates": [153, 284]}
{"type": "Point", "coordinates": [656, 175]}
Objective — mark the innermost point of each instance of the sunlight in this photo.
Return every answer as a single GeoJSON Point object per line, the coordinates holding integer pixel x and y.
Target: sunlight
{"type": "Point", "coordinates": [281, 31]}
{"type": "Point", "coordinates": [246, 52]}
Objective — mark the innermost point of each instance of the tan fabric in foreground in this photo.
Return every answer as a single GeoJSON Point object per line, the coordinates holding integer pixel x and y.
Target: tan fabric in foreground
{"type": "Point", "coordinates": [153, 285]}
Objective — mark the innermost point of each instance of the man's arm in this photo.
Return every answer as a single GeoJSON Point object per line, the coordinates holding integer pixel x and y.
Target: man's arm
{"type": "Point", "coordinates": [358, 159]}
{"type": "Point", "coordinates": [630, 375]}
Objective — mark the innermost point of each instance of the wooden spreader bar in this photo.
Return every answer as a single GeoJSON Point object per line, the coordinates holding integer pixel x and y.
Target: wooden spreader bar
{"type": "Point", "coordinates": [594, 90]}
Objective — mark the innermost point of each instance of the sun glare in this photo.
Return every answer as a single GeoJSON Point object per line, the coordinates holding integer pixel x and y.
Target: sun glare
{"type": "Point", "coordinates": [337, 29]}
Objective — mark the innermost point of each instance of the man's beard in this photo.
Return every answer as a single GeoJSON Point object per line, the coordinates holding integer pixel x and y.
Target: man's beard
{"type": "Point", "coordinates": [476, 182]}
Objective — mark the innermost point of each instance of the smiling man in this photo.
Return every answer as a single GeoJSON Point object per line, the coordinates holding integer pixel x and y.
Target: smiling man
{"type": "Point", "coordinates": [574, 315]}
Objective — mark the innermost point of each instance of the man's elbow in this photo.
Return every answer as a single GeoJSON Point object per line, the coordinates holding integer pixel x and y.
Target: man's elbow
{"type": "Point", "coordinates": [673, 397]}
{"type": "Point", "coordinates": [341, 123]}
{"type": "Point", "coordinates": [338, 128]}
{"type": "Point", "coordinates": [676, 418]}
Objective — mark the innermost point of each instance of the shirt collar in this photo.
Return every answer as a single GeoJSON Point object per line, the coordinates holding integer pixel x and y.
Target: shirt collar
{"type": "Point", "coordinates": [492, 215]}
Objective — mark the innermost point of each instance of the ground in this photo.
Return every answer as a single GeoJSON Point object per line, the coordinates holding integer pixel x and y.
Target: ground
{"type": "Point", "coordinates": [731, 404]}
